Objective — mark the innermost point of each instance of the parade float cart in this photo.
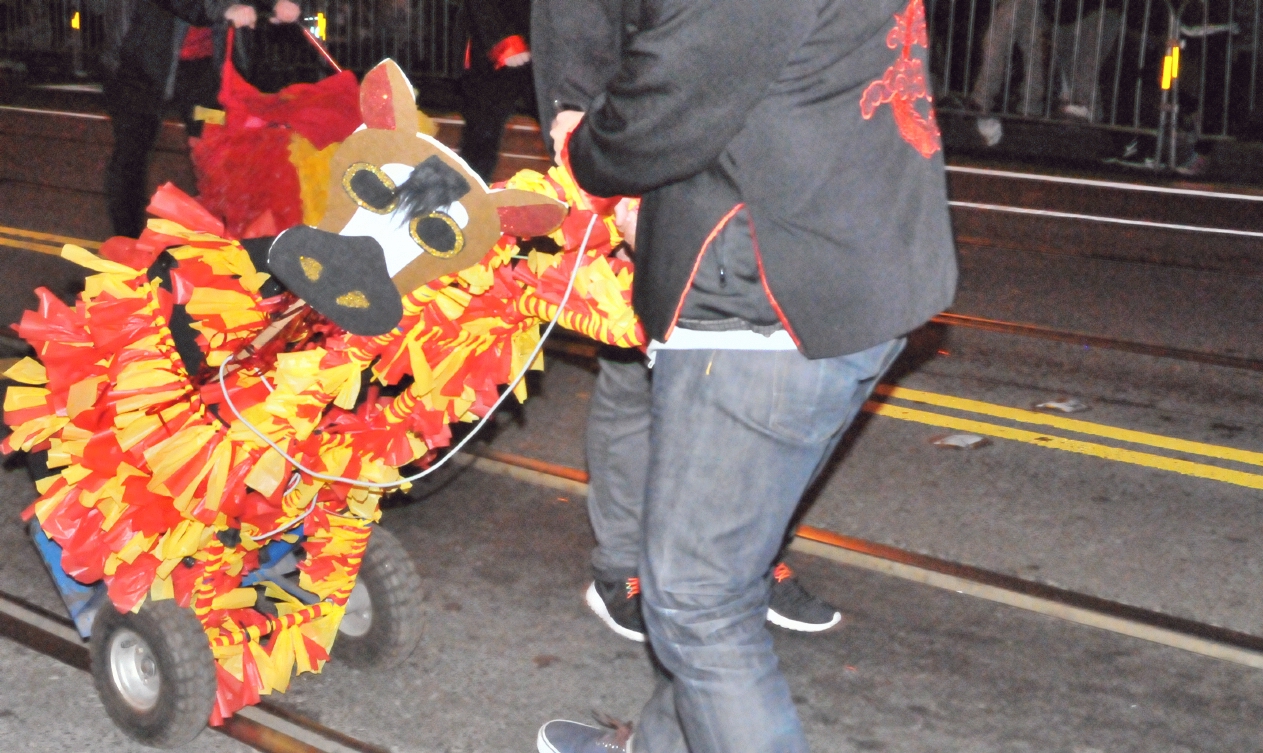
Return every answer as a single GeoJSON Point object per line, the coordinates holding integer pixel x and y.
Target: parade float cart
{"type": "Point", "coordinates": [215, 418]}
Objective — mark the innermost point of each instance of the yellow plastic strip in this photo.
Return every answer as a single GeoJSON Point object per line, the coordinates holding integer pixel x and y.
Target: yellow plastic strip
{"type": "Point", "coordinates": [31, 246]}
{"type": "Point", "coordinates": [1071, 424]}
{"type": "Point", "coordinates": [1186, 467]}
{"type": "Point", "coordinates": [58, 239]}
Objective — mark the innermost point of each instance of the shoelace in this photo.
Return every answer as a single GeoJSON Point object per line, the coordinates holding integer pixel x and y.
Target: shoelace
{"type": "Point", "coordinates": [622, 731]}
{"type": "Point", "coordinates": [782, 572]}
{"type": "Point", "coordinates": [633, 587]}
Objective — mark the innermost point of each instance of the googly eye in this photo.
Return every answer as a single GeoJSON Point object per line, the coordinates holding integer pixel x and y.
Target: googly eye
{"type": "Point", "coordinates": [437, 234]}
{"type": "Point", "coordinates": [370, 187]}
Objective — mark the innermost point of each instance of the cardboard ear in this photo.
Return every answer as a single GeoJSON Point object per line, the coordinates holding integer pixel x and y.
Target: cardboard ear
{"type": "Point", "coordinates": [525, 214]}
{"type": "Point", "coordinates": [386, 99]}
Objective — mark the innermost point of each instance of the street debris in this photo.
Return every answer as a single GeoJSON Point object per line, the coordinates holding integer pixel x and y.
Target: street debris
{"type": "Point", "coordinates": [1063, 405]}
{"type": "Point", "coordinates": [961, 441]}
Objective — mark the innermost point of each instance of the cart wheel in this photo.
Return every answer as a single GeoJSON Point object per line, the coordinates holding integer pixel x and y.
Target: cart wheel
{"type": "Point", "coordinates": [154, 672]}
{"type": "Point", "coordinates": [382, 624]}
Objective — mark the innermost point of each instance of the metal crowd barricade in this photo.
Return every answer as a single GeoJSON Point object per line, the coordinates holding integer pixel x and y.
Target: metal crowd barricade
{"type": "Point", "coordinates": [1101, 62]}
{"type": "Point", "coordinates": [41, 35]}
{"type": "Point", "coordinates": [53, 38]}
{"type": "Point", "coordinates": [1097, 62]}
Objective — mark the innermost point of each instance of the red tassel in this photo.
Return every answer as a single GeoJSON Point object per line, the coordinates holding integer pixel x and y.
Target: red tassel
{"type": "Point", "coordinates": [170, 203]}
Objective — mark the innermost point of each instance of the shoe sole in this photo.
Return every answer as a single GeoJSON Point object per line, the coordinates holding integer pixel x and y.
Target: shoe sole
{"type": "Point", "coordinates": [541, 742]}
{"type": "Point", "coordinates": [781, 621]}
{"type": "Point", "coordinates": [597, 605]}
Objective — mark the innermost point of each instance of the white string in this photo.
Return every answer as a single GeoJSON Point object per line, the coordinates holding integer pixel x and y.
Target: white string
{"type": "Point", "coordinates": [583, 248]}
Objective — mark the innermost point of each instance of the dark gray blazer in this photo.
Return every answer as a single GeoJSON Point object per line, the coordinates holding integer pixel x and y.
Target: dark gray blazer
{"type": "Point", "coordinates": [720, 102]}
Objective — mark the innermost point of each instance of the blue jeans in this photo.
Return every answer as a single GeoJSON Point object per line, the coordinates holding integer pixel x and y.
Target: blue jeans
{"type": "Point", "coordinates": [735, 439]}
{"type": "Point", "coordinates": [617, 445]}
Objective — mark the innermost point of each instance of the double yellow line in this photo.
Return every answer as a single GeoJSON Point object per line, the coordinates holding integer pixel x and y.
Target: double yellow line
{"type": "Point", "coordinates": [44, 243]}
{"type": "Point", "coordinates": [1062, 424]}
{"type": "Point", "coordinates": [49, 243]}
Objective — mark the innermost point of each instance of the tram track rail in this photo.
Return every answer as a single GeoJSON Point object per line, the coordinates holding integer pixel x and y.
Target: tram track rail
{"type": "Point", "coordinates": [1085, 609]}
{"type": "Point", "coordinates": [266, 727]}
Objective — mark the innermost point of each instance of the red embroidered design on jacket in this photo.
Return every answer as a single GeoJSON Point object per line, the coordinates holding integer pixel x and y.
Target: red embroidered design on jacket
{"type": "Point", "coordinates": [904, 83]}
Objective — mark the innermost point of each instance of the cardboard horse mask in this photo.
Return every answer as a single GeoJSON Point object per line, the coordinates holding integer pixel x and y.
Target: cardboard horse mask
{"type": "Point", "coordinates": [403, 211]}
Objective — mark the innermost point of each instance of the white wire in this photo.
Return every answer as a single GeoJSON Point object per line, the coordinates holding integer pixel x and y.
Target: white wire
{"type": "Point", "coordinates": [583, 248]}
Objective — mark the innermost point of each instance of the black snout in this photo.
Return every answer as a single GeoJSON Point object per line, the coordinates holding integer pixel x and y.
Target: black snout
{"type": "Point", "coordinates": [344, 278]}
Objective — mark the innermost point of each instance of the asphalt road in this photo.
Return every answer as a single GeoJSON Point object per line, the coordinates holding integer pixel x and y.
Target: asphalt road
{"type": "Point", "coordinates": [509, 644]}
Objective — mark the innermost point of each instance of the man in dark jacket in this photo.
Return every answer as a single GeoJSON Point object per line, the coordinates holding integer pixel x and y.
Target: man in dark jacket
{"type": "Point", "coordinates": [497, 76]}
{"type": "Point", "coordinates": [793, 229]}
{"type": "Point", "coordinates": [577, 46]}
{"type": "Point", "coordinates": [160, 53]}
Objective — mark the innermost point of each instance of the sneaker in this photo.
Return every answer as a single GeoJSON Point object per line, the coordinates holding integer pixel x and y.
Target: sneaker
{"type": "Point", "coordinates": [561, 736]}
{"type": "Point", "coordinates": [793, 608]}
{"type": "Point", "coordinates": [617, 603]}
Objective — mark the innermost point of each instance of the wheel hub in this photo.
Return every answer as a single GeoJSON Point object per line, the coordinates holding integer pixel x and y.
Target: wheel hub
{"type": "Point", "coordinates": [359, 612]}
{"type": "Point", "coordinates": [134, 670]}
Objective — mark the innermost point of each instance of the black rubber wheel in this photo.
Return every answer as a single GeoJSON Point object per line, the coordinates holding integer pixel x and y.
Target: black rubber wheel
{"type": "Point", "coordinates": [154, 672]}
{"type": "Point", "coordinates": [382, 624]}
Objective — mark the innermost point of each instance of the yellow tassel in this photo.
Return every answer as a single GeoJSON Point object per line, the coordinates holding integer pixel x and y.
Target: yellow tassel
{"type": "Point", "coordinates": [28, 371]}
{"type": "Point", "coordinates": [238, 598]}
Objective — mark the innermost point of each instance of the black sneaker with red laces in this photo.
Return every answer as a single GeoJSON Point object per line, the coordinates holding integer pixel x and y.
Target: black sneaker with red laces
{"type": "Point", "coordinates": [617, 603]}
{"type": "Point", "coordinates": [792, 607]}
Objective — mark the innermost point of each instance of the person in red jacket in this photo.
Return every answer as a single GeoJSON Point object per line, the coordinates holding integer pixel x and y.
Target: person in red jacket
{"type": "Point", "coordinates": [497, 76]}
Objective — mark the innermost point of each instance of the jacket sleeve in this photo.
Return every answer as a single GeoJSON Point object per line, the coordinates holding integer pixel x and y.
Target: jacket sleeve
{"type": "Point", "coordinates": [685, 84]}
{"type": "Point", "coordinates": [577, 44]}
{"type": "Point", "coordinates": [489, 25]}
{"type": "Point", "coordinates": [202, 12]}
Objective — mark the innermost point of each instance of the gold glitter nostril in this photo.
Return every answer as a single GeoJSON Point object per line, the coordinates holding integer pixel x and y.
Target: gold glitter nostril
{"type": "Point", "coordinates": [353, 300]}
{"type": "Point", "coordinates": [311, 268]}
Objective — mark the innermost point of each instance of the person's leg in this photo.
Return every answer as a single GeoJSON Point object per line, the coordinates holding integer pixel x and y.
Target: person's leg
{"type": "Point", "coordinates": [135, 117]}
{"type": "Point", "coordinates": [997, 48]}
{"type": "Point", "coordinates": [618, 458]}
{"type": "Point", "coordinates": [1031, 33]}
{"type": "Point", "coordinates": [196, 83]}
{"type": "Point", "coordinates": [1098, 38]}
{"type": "Point", "coordinates": [735, 438]}
{"type": "Point", "coordinates": [488, 99]}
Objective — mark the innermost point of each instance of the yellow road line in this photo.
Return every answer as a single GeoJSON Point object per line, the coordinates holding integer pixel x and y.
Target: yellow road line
{"type": "Point", "coordinates": [31, 246]}
{"type": "Point", "coordinates": [1186, 467]}
{"type": "Point", "coordinates": [58, 239]}
{"type": "Point", "coordinates": [1070, 424]}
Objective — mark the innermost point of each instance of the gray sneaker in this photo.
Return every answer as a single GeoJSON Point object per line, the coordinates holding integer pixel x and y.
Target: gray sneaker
{"type": "Point", "coordinates": [561, 736]}
{"type": "Point", "coordinates": [794, 608]}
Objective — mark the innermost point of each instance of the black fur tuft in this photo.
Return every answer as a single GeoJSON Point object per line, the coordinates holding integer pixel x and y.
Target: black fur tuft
{"type": "Point", "coordinates": [432, 185]}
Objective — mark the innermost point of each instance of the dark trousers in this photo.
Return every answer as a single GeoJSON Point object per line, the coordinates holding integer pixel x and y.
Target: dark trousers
{"type": "Point", "coordinates": [488, 98]}
{"type": "Point", "coordinates": [136, 109]}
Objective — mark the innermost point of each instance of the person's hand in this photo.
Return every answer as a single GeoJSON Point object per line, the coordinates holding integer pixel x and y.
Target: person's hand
{"type": "Point", "coordinates": [285, 12]}
{"type": "Point", "coordinates": [241, 15]}
{"type": "Point", "coordinates": [626, 212]}
{"type": "Point", "coordinates": [518, 60]}
{"type": "Point", "coordinates": [565, 122]}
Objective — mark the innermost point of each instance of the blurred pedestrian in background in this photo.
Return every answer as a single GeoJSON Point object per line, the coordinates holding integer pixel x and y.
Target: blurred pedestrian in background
{"type": "Point", "coordinates": [497, 76]}
{"type": "Point", "coordinates": [162, 54]}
